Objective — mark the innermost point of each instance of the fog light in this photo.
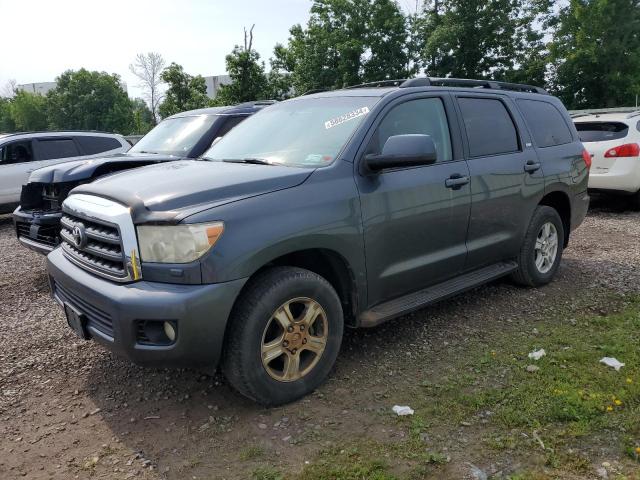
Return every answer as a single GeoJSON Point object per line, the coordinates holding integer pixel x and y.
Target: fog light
{"type": "Point", "coordinates": [169, 331]}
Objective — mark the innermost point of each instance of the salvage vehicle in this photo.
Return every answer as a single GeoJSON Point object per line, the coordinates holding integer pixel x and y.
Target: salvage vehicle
{"type": "Point", "coordinates": [342, 208]}
{"type": "Point", "coordinates": [184, 135]}
{"type": "Point", "coordinates": [22, 153]}
{"type": "Point", "coordinates": [613, 140]}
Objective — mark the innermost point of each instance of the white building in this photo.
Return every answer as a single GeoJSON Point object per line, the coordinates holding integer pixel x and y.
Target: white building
{"type": "Point", "coordinates": [40, 87]}
{"type": "Point", "coordinates": [214, 82]}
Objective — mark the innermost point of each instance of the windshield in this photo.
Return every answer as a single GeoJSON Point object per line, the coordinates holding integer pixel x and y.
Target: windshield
{"type": "Point", "coordinates": [175, 136]}
{"type": "Point", "coordinates": [306, 132]}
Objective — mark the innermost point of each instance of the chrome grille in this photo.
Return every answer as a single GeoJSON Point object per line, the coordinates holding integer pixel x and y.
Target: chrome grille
{"type": "Point", "coordinates": [98, 235]}
{"type": "Point", "coordinates": [100, 250]}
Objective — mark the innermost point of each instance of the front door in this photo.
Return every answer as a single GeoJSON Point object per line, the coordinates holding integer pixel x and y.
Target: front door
{"type": "Point", "coordinates": [415, 222]}
{"type": "Point", "coordinates": [16, 162]}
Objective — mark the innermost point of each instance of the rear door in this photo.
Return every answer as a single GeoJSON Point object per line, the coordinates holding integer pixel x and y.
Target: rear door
{"type": "Point", "coordinates": [16, 163]}
{"type": "Point", "coordinates": [414, 224]}
{"type": "Point", "coordinates": [506, 177]}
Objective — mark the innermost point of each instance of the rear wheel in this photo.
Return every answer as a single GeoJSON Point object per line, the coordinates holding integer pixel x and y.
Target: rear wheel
{"type": "Point", "coordinates": [541, 249]}
{"type": "Point", "coordinates": [634, 201]}
{"type": "Point", "coordinates": [284, 335]}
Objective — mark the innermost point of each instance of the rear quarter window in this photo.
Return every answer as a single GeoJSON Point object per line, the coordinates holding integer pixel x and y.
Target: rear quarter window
{"type": "Point", "coordinates": [547, 124]}
{"type": "Point", "coordinates": [92, 145]}
{"type": "Point", "coordinates": [601, 131]}
{"type": "Point", "coordinates": [50, 149]}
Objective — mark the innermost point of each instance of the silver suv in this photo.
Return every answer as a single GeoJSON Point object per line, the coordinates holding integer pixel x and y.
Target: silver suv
{"type": "Point", "coordinates": [21, 153]}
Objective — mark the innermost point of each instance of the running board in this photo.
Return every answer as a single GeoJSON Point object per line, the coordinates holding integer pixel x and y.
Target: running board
{"type": "Point", "coordinates": [414, 301]}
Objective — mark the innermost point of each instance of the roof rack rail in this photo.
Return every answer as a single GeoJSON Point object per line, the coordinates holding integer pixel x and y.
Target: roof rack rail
{"type": "Point", "coordinates": [470, 83]}
{"type": "Point", "coordinates": [452, 82]}
{"type": "Point", "coordinates": [314, 90]}
{"type": "Point", "coordinates": [256, 103]}
{"type": "Point", "coordinates": [378, 84]}
{"type": "Point", "coordinates": [634, 114]}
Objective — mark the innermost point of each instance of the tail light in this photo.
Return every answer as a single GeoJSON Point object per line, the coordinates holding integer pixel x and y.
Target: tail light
{"type": "Point", "coordinates": [627, 150]}
{"type": "Point", "coordinates": [586, 156]}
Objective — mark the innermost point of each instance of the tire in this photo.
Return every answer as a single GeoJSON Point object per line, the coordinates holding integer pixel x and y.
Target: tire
{"type": "Point", "coordinates": [256, 331]}
{"type": "Point", "coordinates": [530, 273]}
{"type": "Point", "coordinates": [634, 202]}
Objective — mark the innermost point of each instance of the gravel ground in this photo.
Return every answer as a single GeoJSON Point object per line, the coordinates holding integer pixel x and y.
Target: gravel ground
{"type": "Point", "coordinates": [69, 409]}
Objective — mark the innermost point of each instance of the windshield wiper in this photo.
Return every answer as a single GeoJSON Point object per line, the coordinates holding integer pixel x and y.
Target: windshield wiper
{"type": "Point", "coordinates": [255, 161]}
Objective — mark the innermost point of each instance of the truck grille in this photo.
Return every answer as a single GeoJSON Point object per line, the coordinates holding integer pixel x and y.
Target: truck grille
{"type": "Point", "coordinates": [45, 234]}
{"type": "Point", "coordinates": [94, 245]}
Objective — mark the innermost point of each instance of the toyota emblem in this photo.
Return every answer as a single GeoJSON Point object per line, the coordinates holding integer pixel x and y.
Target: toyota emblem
{"type": "Point", "coordinates": [79, 236]}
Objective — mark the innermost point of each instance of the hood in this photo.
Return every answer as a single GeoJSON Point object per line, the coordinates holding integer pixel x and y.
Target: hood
{"type": "Point", "coordinates": [79, 170]}
{"type": "Point", "coordinates": [172, 191]}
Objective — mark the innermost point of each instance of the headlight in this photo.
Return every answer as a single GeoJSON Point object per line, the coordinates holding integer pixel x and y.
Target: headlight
{"type": "Point", "coordinates": [177, 243]}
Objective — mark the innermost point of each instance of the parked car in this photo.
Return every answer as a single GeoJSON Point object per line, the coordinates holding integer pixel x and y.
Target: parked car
{"type": "Point", "coordinates": [184, 135]}
{"type": "Point", "coordinates": [22, 153]}
{"type": "Point", "coordinates": [613, 140]}
{"type": "Point", "coordinates": [343, 208]}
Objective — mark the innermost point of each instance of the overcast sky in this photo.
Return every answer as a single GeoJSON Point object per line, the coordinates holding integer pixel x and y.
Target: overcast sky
{"type": "Point", "coordinates": [42, 38]}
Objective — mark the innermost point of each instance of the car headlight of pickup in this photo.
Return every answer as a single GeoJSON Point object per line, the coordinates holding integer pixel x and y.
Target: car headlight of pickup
{"type": "Point", "coordinates": [177, 243]}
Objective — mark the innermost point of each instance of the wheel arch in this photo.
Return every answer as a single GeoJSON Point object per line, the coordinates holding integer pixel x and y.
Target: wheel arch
{"type": "Point", "coordinates": [559, 201]}
{"type": "Point", "coordinates": [330, 265]}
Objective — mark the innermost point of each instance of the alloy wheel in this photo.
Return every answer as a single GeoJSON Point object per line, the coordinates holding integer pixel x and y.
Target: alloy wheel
{"type": "Point", "coordinates": [294, 339]}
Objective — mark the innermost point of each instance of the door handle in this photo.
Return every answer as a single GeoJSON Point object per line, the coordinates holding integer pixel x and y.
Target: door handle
{"type": "Point", "coordinates": [456, 181]}
{"type": "Point", "coordinates": [532, 166]}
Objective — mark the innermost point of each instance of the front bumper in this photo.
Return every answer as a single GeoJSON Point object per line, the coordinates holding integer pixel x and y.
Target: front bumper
{"type": "Point", "coordinates": [115, 311]}
{"type": "Point", "coordinates": [37, 230]}
{"type": "Point", "coordinates": [623, 176]}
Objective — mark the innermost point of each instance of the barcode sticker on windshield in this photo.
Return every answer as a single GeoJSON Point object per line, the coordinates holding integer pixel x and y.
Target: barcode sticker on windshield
{"type": "Point", "coordinates": [346, 117]}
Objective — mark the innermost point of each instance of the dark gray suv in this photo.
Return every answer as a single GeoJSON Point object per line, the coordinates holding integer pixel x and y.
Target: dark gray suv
{"type": "Point", "coordinates": [343, 208]}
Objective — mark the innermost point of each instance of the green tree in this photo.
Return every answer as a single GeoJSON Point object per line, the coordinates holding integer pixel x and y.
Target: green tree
{"type": "Point", "coordinates": [28, 111]}
{"type": "Point", "coordinates": [6, 121]}
{"type": "Point", "coordinates": [498, 39]}
{"type": "Point", "coordinates": [248, 79]}
{"type": "Point", "coordinates": [84, 100]}
{"type": "Point", "coordinates": [346, 42]}
{"type": "Point", "coordinates": [595, 53]}
{"type": "Point", "coordinates": [185, 92]}
{"type": "Point", "coordinates": [143, 119]}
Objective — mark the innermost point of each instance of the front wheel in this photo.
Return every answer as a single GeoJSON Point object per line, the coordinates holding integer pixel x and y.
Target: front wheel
{"type": "Point", "coordinates": [541, 249]}
{"type": "Point", "coordinates": [284, 335]}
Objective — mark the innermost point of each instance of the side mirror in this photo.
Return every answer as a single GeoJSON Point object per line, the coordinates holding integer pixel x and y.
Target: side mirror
{"type": "Point", "coordinates": [409, 150]}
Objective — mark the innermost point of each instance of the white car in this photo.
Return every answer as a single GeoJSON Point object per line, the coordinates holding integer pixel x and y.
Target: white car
{"type": "Point", "coordinates": [22, 153]}
{"type": "Point", "coordinates": [613, 140]}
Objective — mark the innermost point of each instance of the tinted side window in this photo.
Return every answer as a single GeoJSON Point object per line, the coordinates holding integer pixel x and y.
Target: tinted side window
{"type": "Point", "coordinates": [423, 116]}
{"type": "Point", "coordinates": [16, 152]}
{"type": "Point", "coordinates": [93, 145]}
{"type": "Point", "coordinates": [490, 129]}
{"type": "Point", "coordinates": [57, 148]}
{"type": "Point", "coordinates": [546, 123]}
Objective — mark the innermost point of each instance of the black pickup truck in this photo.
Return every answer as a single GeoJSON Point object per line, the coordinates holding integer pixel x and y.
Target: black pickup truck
{"type": "Point", "coordinates": [184, 135]}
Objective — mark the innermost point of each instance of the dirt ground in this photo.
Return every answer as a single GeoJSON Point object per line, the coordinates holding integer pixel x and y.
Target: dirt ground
{"type": "Point", "coordinates": [69, 409]}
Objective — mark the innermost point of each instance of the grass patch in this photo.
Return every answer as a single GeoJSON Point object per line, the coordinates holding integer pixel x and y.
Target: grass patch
{"type": "Point", "coordinates": [251, 452]}
{"type": "Point", "coordinates": [571, 404]}
{"type": "Point", "coordinates": [266, 473]}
